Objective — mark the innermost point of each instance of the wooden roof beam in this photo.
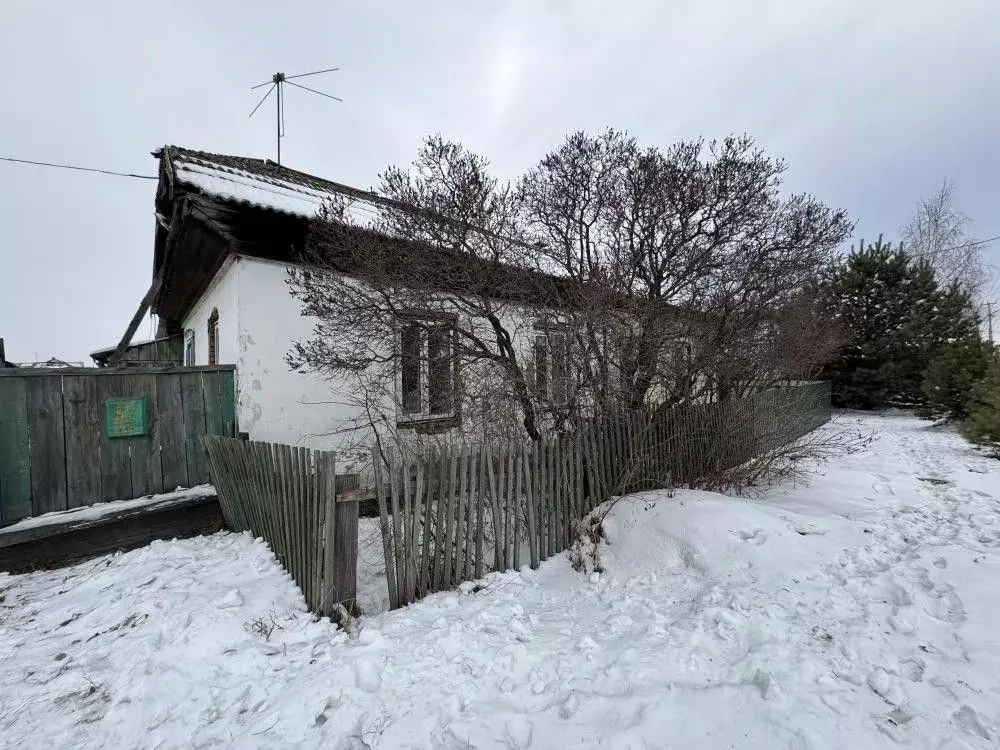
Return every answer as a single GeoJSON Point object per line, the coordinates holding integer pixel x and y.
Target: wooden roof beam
{"type": "Point", "coordinates": [154, 289]}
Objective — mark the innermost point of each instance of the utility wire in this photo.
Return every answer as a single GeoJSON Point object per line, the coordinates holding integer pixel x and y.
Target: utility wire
{"type": "Point", "coordinates": [81, 169]}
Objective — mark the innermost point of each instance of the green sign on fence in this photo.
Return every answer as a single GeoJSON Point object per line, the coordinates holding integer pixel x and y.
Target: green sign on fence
{"type": "Point", "coordinates": [126, 417]}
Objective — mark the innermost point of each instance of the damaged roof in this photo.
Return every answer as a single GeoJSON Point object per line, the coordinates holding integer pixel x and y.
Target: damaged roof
{"type": "Point", "coordinates": [257, 182]}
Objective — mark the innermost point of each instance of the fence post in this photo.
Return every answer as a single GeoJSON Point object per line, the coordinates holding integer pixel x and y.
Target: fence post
{"type": "Point", "coordinates": [345, 548]}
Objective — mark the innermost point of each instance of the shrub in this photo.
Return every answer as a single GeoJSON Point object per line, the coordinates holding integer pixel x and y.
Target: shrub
{"type": "Point", "coordinates": [983, 425]}
{"type": "Point", "coordinates": [951, 376]}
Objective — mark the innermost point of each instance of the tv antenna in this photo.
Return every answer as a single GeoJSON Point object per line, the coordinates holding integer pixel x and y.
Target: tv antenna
{"type": "Point", "coordinates": [277, 83]}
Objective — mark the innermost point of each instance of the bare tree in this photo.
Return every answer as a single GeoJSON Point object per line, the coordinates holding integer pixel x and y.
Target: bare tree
{"type": "Point", "coordinates": [611, 276]}
{"type": "Point", "coordinates": [938, 233]}
{"type": "Point", "coordinates": [690, 257]}
{"type": "Point", "coordinates": [434, 286]}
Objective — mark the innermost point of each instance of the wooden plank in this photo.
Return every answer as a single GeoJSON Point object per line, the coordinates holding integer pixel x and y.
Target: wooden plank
{"type": "Point", "coordinates": [510, 508]}
{"type": "Point", "coordinates": [317, 522]}
{"type": "Point", "coordinates": [346, 554]}
{"type": "Point", "coordinates": [144, 304]}
{"type": "Point", "coordinates": [328, 576]}
{"type": "Point", "coordinates": [46, 442]}
{"type": "Point", "coordinates": [581, 503]}
{"type": "Point", "coordinates": [220, 468]}
{"type": "Point", "coordinates": [300, 500]}
{"type": "Point", "coordinates": [15, 460]}
{"type": "Point", "coordinates": [431, 475]}
{"type": "Point", "coordinates": [561, 495]}
{"type": "Point", "coordinates": [193, 409]}
{"type": "Point", "coordinates": [226, 380]}
{"type": "Point", "coordinates": [480, 509]}
{"type": "Point", "coordinates": [413, 562]}
{"type": "Point", "coordinates": [492, 457]}
{"type": "Point", "coordinates": [451, 508]}
{"type": "Point", "coordinates": [528, 457]}
{"type": "Point", "coordinates": [395, 479]}
{"type": "Point", "coordinates": [518, 507]}
{"type": "Point", "coordinates": [84, 442]}
{"type": "Point", "coordinates": [462, 524]}
{"type": "Point", "coordinates": [201, 516]}
{"type": "Point", "coordinates": [553, 498]}
{"type": "Point", "coordinates": [544, 493]}
{"type": "Point", "coordinates": [441, 547]}
{"type": "Point", "coordinates": [146, 459]}
{"type": "Point", "coordinates": [213, 396]}
{"type": "Point", "coordinates": [279, 499]}
{"type": "Point", "coordinates": [406, 516]}
{"type": "Point", "coordinates": [116, 453]}
{"type": "Point", "coordinates": [60, 372]}
{"type": "Point", "coordinates": [168, 433]}
{"type": "Point", "coordinates": [40, 534]}
{"type": "Point", "coordinates": [384, 527]}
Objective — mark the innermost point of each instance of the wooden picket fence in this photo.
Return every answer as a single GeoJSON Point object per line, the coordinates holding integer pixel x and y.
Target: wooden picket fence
{"type": "Point", "coordinates": [453, 513]}
{"type": "Point", "coordinates": [292, 498]}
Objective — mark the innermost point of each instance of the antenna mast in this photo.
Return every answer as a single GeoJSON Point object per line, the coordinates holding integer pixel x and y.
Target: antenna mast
{"type": "Point", "coordinates": [277, 83]}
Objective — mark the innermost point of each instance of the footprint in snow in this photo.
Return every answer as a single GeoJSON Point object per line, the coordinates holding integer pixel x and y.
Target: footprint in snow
{"type": "Point", "coordinates": [807, 529]}
{"type": "Point", "coordinates": [231, 600]}
{"type": "Point", "coordinates": [913, 668]}
{"type": "Point", "coordinates": [946, 606]}
{"type": "Point", "coordinates": [968, 719]}
{"type": "Point", "coordinates": [754, 536]}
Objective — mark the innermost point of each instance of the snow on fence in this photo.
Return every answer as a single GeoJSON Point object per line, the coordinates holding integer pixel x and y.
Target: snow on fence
{"type": "Point", "coordinates": [289, 497]}
{"type": "Point", "coordinates": [449, 514]}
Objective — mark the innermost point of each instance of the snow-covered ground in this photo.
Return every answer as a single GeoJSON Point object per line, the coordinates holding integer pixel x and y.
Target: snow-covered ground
{"type": "Point", "coordinates": [858, 609]}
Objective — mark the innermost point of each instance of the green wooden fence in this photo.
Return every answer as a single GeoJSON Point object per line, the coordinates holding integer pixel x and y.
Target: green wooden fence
{"type": "Point", "coordinates": [71, 437]}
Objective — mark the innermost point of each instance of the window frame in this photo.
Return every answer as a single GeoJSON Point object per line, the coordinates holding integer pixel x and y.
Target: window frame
{"type": "Point", "coordinates": [190, 356]}
{"type": "Point", "coordinates": [213, 337]}
{"type": "Point", "coordinates": [426, 323]}
{"type": "Point", "coordinates": [542, 340]}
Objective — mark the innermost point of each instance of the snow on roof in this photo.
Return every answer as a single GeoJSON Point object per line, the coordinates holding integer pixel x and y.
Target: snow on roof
{"type": "Point", "coordinates": [258, 182]}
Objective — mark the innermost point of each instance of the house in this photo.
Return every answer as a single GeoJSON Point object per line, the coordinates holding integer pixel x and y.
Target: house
{"type": "Point", "coordinates": [228, 228]}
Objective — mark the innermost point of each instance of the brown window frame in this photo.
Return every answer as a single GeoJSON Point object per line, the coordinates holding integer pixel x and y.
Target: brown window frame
{"type": "Point", "coordinates": [427, 377]}
{"type": "Point", "coordinates": [551, 357]}
{"type": "Point", "coordinates": [213, 337]}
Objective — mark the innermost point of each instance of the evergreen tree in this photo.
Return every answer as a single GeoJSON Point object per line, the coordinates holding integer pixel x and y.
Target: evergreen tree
{"type": "Point", "coordinates": [894, 319]}
{"type": "Point", "coordinates": [983, 426]}
{"type": "Point", "coordinates": [951, 377]}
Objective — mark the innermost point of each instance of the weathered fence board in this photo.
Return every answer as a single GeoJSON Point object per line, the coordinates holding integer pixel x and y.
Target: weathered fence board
{"type": "Point", "coordinates": [56, 451]}
{"type": "Point", "coordinates": [47, 445]}
{"type": "Point", "coordinates": [15, 462]}
{"type": "Point", "coordinates": [293, 499]}
{"type": "Point", "coordinates": [477, 506]}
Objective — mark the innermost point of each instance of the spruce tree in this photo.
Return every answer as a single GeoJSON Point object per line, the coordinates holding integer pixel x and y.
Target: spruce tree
{"type": "Point", "coordinates": [894, 319]}
{"type": "Point", "coordinates": [983, 425]}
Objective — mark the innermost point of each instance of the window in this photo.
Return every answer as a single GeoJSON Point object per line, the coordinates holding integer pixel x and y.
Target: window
{"type": "Point", "coordinates": [427, 369]}
{"type": "Point", "coordinates": [552, 366]}
{"type": "Point", "coordinates": [189, 347]}
{"type": "Point", "coordinates": [213, 337]}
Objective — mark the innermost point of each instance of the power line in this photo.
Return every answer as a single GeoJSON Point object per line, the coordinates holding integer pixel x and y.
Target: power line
{"type": "Point", "coordinates": [971, 244]}
{"type": "Point", "coordinates": [80, 169]}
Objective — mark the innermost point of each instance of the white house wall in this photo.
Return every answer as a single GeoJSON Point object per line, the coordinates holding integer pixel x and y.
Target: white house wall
{"type": "Point", "coordinates": [274, 403]}
{"type": "Point", "coordinates": [222, 295]}
{"type": "Point", "coordinates": [259, 320]}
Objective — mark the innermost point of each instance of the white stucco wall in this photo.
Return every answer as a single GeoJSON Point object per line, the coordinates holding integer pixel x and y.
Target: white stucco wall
{"type": "Point", "coordinates": [274, 403]}
{"type": "Point", "coordinates": [222, 294]}
{"type": "Point", "coordinates": [259, 320]}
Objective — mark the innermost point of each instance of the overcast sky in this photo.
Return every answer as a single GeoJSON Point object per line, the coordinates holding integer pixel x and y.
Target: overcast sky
{"type": "Point", "coordinates": [871, 102]}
